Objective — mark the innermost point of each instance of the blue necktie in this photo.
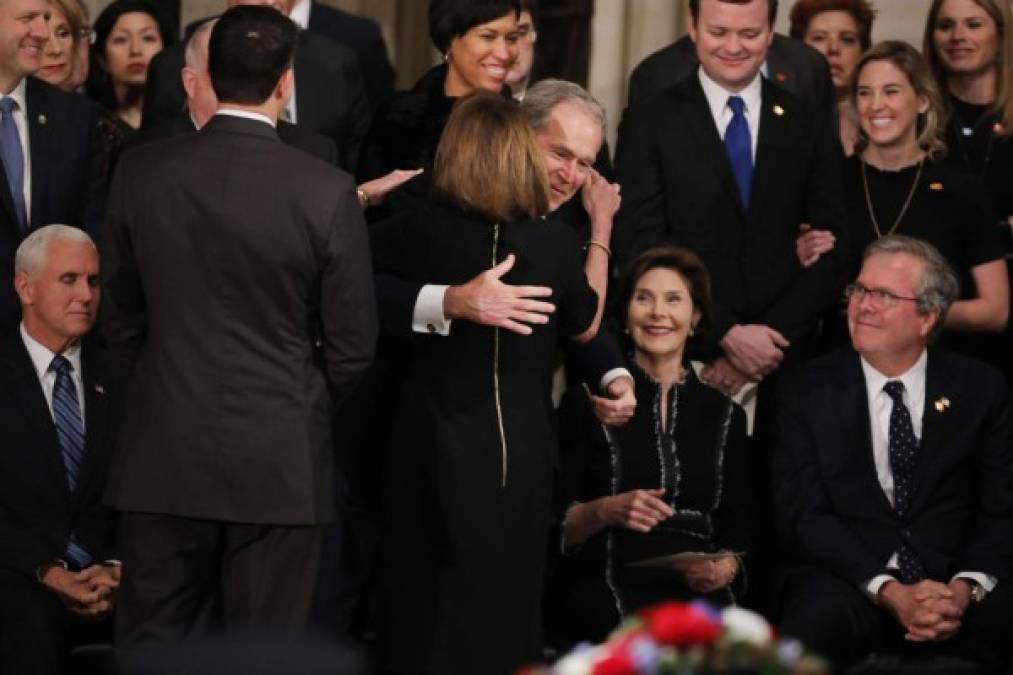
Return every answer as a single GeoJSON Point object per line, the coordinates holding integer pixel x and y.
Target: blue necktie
{"type": "Point", "coordinates": [70, 432]}
{"type": "Point", "coordinates": [739, 146]}
{"type": "Point", "coordinates": [13, 159]}
{"type": "Point", "coordinates": [903, 460]}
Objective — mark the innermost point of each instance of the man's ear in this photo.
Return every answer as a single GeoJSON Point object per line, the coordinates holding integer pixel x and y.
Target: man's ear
{"type": "Point", "coordinates": [189, 79]}
{"type": "Point", "coordinates": [25, 288]}
{"type": "Point", "coordinates": [283, 90]}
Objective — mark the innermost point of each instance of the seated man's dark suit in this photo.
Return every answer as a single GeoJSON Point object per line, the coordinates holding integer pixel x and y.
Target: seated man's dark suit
{"type": "Point", "coordinates": [38, 512]}
{"type": "Point", "coordinates": [790, 63]}
{"type": "Point", "coordinates": [840, 530]}
{"type": "Point", "coordinates": [68, 182]}
{"type": "Point", "coordinates": [330, 95]}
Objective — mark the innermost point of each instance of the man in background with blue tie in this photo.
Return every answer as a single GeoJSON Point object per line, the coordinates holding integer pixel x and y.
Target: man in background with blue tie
{"type": "Point", "coordinates": [894, 480]}
{"type": "Point", "coordinates": [51, 154]}
{"type": "Point", "coordinates": [729, 164]}
{"type": "Point", "coordinates": [58, 405]}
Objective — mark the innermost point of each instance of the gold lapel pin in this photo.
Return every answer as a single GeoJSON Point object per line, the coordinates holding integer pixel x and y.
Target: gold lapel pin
{"type": "Point", "coordinates": [778, 110]}
{"type": "Point", "coordinates": [942, 404]}
{"type": "Point", "coordinates": [42, 119]}
{"type": "Point", "coordinates": [937, 186]}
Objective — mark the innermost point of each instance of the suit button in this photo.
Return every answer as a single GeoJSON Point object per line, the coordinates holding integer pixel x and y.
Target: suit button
{"type": "Point", "coordinates": [431, 328]}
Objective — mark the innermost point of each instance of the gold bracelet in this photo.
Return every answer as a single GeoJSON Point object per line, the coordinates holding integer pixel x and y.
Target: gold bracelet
{"type": "Point", "coordinates": [595, 242]}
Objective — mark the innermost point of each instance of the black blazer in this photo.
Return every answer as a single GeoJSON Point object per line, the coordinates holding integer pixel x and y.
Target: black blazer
{"type": "Point", "coordinates": [37, 510]}
{"type": "Point", "coordinates": [229, 255]}
{"type": "Point", "coordinates": [678, 187]}
{"type": "Point", "coordinates": [68, 178]}
{"type": "Point", "coordinates": [791, 64]}
{"type": "Point", "coordinates": [315, 144]}
{"type": "Point", "coordinates": [329, 93]}
{"type": "Point", "coordinates": [829, 504]}
{"type": "Point", "coordinates": [363, 37]}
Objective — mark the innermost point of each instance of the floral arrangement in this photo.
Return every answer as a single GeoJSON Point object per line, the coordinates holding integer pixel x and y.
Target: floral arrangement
{"type": "Point", "coordinates": [678, 638]}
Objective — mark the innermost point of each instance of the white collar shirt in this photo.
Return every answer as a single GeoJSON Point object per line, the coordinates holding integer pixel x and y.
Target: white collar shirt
{"type": "Point", "coordinates": [717, 100]}
{"type": "Point", "coordinates": [245, 114]}
{"type": "Point", "coordinates": [880, 407]}
{"type": "Point", "coordinates": [300, 13]}
{"type": "Point", "coordinates": [42, 358]}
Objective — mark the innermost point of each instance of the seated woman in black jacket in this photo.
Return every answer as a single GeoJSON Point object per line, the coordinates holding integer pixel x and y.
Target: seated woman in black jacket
{"type": "Point", "coordinates": [673, 480]}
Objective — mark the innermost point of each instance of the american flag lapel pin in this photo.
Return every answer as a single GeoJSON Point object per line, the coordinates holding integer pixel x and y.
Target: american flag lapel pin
{"type": "Point", "coordinates": [778, 110]}
{"type": "Point", "coordinates": [43, 119]}
{"type": "Point", "coordinates": [942, 404]}
{"type": "Point", "coordinates": [99, 389]}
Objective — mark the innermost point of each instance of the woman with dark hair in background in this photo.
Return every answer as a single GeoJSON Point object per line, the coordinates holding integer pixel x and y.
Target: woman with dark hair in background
{"type": "Point", "coordinates": [969, 47]}
{"type": "Point", "coordinates": [897, 183]}
{"type": "Point", "coordinates": [128, 33]}
{"type": "Point", "coordinates": [478, 40]}
{"type": "Point", "coordinates": [468, 499]}
{"type": "Point", "coordinates": [840, 30]}
{"type": "Point", "coordinates": [673, 480]}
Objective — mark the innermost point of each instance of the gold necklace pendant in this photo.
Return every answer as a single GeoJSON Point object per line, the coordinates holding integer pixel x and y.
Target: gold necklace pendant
{"type": "Point", "coordinates": [903, 209]}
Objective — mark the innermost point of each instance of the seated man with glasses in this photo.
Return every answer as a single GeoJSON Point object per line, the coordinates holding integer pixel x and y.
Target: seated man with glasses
{"type": "Point", "coordinates": [894, 480]}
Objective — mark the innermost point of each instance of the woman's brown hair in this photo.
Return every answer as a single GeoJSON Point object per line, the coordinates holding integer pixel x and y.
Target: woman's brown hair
{"type": "Point", "coordinates": [683, 262]}
{"type": "Point", "coordinates": [931, 124]}
{"type": "Point", "coordinates": [488, 163]}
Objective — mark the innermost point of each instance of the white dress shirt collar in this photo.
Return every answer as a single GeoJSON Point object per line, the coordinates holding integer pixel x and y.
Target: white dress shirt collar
{"type": "Point", "coordinates": [717, 100]}
{"type": "Point", "coordinates": [300, 13]}
{"type": "Point", "coordinates": [245, 114]}
{"type": "Point", "coordinates": [913, 381]}
{"type": "Point", "coordinates": [18, 94]}
{"type": "Point", "coordinates": [42, 357]}
{"type": "Point", "coordinates": [717, 96]}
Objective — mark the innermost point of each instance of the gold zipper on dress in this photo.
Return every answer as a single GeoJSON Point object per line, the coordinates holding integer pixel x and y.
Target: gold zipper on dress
{"type": "Point", "coordinates": [495, 370]}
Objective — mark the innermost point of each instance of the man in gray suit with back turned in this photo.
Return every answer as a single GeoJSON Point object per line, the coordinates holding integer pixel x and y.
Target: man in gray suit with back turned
{"type": "Point", "coordinates": [229, 255]}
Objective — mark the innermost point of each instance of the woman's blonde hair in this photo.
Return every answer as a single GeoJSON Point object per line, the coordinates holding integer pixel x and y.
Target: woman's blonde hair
{"type": "Point", "coordinates": [488, 163]}
{"type": "Point", "coordinates": [931, 123]}
{"type": "Point", "coordinates": [1001, 13]}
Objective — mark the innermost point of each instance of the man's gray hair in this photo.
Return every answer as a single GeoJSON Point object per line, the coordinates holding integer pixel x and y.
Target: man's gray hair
{"type": "Point", "coordinates": [542, 97]}
{"type": "Point", "coordinates": [938, 288]}
{"type": "Point", "coordinates": [196, 52]}
{"type": "Point", "coordinates": [31, 254]}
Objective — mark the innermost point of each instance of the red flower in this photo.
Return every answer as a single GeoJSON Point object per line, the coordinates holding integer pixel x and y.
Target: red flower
{"type": "Point", "coordinates": [680, 625]}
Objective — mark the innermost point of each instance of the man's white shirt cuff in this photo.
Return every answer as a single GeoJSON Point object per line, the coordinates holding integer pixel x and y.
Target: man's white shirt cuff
{"type": "Point", "coordinates": [428, 317]}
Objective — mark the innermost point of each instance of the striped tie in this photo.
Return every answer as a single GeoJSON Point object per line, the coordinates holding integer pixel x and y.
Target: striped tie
{"type": "Point", "coordinates": [70, 432]}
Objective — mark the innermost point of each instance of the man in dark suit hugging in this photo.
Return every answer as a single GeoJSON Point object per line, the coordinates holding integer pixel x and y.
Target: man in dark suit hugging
{"type": "Point", "coordinates": [58, 402]}
{"type": "Point", "coordinates": [894, 479]}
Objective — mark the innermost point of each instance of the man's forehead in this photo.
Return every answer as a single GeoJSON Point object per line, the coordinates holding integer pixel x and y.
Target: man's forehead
{"type": "Point", "coordinates": [572, 124]}
{"type": "Point", "coordinates": [890, 269]}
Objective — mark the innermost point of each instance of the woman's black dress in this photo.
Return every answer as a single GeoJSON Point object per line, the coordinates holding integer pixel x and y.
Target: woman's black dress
{"type": "Point", "coordinates": [975, 144]}
{"type": "Point", "coordinates": [468, 500]}
{"type": "Point", "coordinates": [949, 209]}
{"type": "Point", "coordinates": [699, 459]}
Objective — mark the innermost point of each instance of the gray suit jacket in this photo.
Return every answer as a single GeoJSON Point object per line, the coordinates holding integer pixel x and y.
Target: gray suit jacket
{"type": "Point", "coordinates": [229, 255]}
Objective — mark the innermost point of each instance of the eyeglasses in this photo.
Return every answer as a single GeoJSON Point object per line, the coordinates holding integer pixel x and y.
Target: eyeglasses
{"type": "Point", "coordinates": [880, 298]}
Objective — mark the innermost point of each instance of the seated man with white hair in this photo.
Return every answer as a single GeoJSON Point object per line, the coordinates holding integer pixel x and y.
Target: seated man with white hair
{"type": "Point", "coordinates": [58, 406]}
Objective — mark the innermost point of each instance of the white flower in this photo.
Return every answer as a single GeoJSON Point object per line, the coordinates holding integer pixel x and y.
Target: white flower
{"type": "Point", "coordinates": [741, 625]}
{"type": "Point", "coordinates": [577, 662]}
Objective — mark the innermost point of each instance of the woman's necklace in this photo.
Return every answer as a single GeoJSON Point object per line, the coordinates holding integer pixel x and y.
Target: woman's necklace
{"type": "Point", "coordinates": [903, 209]}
